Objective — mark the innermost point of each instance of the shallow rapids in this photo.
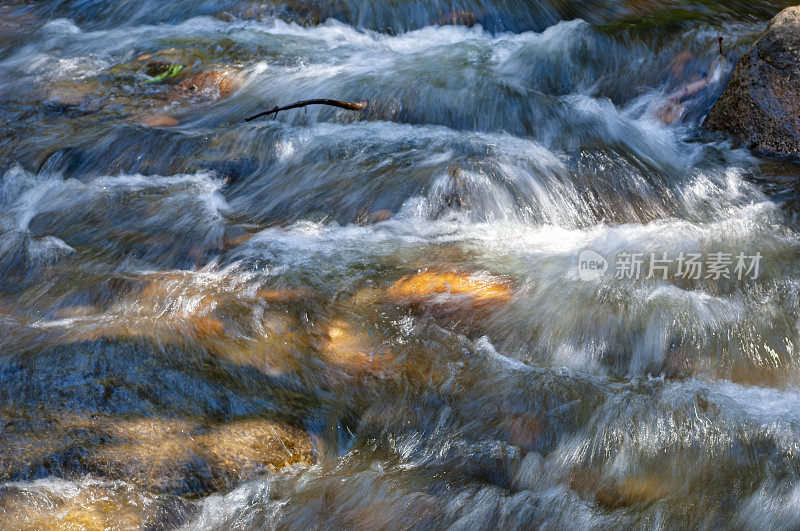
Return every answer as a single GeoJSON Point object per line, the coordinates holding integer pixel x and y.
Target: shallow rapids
{"type": "Point", "coordinates": [384, 318]}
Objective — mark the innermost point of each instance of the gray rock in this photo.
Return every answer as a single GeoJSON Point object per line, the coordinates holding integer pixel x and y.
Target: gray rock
{"type": "Point", "coordinates": [761, 104]}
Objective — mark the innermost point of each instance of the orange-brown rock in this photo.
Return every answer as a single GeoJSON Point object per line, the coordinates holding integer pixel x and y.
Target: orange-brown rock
{"type": "Point", "coordinates": [365, 300]}
{"type": "Point", "coordinates": [278, 347]}
{"type": "Point", "coordinates": [632, 491]}
{"type": "Point", "coordinates": [377, 216]}
{"type": "Point", "coordinates": [243, 446]}
{"type": "Point", "coordinates": [218, 83]}
{"type": "Point", "coordinates": [284, 294]}
{"type": "Point", "coordinates": [210, 312]}
{"type": "Point", "coordinates": [451, 291]}
{"type": "Point", "coordinates": [350, 349]}
{"type": "Point", "coordinates": [668, 111]}
{"type": "Point", "coordinates": [163, 455]}
{"type": "Point", "coordinates": [157, 120]}
{"type": "Point", "coordinates": [238, 240]}
{"type": "Point", "coordinates": [615, 494]}
{"type": "Point", "coordinates": [171, 306]}
{"type": "Point", "coordinates": [156, 63]}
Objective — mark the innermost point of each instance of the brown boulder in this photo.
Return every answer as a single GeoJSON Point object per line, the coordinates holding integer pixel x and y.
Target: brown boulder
{"type": "Point", "coordinates": [761, 104]}
{"type": "Point", "coordinates": [218, 83]}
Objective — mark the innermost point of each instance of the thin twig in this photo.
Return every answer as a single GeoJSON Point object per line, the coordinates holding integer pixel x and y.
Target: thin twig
{"type": "Point", "coordinates": [349, 105]}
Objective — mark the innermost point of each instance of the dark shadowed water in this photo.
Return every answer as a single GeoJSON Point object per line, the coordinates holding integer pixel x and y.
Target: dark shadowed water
{"type": "Point", "coordinates": [378, 318]}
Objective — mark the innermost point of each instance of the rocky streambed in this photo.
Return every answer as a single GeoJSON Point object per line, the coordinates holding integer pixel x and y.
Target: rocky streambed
{"type": "Point", "coordinates": [541, 280]}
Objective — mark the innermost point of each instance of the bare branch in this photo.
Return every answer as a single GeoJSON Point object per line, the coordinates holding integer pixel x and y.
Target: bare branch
{"type": "Point", "coordinates": [349, 105]}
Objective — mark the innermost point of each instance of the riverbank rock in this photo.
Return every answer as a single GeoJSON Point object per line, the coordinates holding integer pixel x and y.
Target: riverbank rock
{"type": "Point", "coordinates": [761, 104]}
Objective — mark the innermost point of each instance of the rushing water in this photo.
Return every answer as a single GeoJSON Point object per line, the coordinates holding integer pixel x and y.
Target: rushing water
{"type": "Point", "coordinates": [211, 323]}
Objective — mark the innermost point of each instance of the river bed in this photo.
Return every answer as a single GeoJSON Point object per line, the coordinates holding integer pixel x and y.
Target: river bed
{"type": "Point", "coordinates": [388, 318]}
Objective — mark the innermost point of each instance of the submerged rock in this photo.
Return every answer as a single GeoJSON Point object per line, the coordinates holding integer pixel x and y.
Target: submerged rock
{"type": "Point", "coordinates": [635, 491]}
{"type": "Point", "coordinates": [218, 83]}
{"type": "Point", "coordinates": [165, 64]}
{"type": "Point", "coordinates": [373, 217]}
{"type": "Point", "coordinates": [164, 455]}
{"type": "Point", "coordinates": [300, 12]}
{"type": "Point", "coordinates": [431, 284]}
{"type": "Point", "coordinates": [353, 350]}
{"type": "Point", "coordinates": [69, 94]}
{"type": "Point", "coordinates": [23, 257]}
{"type": "Point", "coordinates": [157, 120]}
{"type": "Point", "coordinates": [459, 18]}
{"type": "Point", "coordinates": [453, 294]}
{"type": "Point", "coordinates": [761, 104]}
{"type": "Point", "coordinates": [88, 504]}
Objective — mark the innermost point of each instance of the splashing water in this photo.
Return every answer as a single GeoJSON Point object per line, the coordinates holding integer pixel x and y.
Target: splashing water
{"type": "Point", "coordinates": [378, 319]}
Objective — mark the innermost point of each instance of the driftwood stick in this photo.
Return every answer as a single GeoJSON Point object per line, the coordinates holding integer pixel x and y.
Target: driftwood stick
{"type": "Point", "coordinates": [349, 105]}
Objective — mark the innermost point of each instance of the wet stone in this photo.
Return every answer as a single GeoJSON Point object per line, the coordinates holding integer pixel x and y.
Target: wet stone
{"type": "Point", "coordinates": [160, 62]}
{"type": "Point", "coordinates": [83, 97]}
{"type": "Point", "coordinates": [233, 170]}
{"type": "Point", "coordinates": [16, 19]}
{"type": "Point", "coordinates": [374, 217]}
{"type": "Point", "coordinates": [88, 504]}
{"type": "Point", "coordinates": [452, 293]}
{"type": "Point", "coordinates": [164, 455]}
{"type": "Point", "coordinates": [761, 104]}
{"type": "Point", "coordinates": [459, 18]}
{"type": "Point", "coordinates": [157, 120]}
{"type": "Point", "coordinates": [218, 83]}
{"type": "Point", "coordinates": [302, 12]}
{"type": "Point", "coordinates": [334, 319]}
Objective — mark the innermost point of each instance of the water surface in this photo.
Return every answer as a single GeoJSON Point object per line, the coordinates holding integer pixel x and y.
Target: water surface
{"type": "Point", "coordinates": [375, 319]}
